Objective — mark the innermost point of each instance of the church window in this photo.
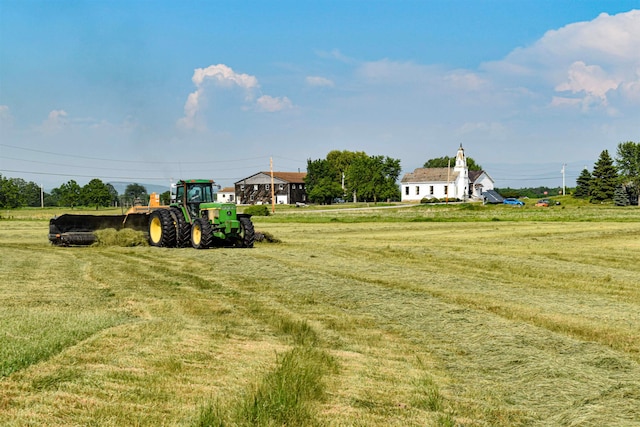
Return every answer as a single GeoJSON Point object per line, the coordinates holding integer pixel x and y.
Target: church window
{"type": "Point", "coordinates": [431, 190]}
{"type": "Point", "coordinates": [417, 190]}
{"type": "Point", "coordinates": [406, 190]}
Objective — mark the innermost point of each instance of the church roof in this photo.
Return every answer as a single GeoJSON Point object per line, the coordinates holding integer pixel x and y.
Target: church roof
{"type": "Point", "coordinates": [430, 175]}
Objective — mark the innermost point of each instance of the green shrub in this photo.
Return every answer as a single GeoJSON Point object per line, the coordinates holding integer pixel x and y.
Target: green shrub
{"type": "Point", "coordinates": [257, 210]}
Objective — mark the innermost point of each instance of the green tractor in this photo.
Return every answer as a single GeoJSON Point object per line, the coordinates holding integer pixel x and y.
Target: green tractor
{"type": "Point", "coordinates": [195, 219]}
{"type": "Point", "coordinates": [192, 219]}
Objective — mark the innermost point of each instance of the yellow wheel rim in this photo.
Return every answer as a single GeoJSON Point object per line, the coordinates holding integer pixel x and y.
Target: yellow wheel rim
{"type": "Point", "coordinates": [197, 234]}
{"type": "Point", "coordinates": [155, 230]}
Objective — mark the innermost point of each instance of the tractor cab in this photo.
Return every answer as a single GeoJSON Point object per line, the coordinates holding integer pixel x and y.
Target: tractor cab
{"type": "Point", "coordinates": [191, 193]}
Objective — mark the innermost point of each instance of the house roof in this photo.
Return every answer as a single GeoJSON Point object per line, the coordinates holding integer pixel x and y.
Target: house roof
{"type": "Point", "coordinates": [293, 177]}
{"type": "Point", "coordinates": [476, 175]}
{"type": "Point", "coordinates": [280, 177]}
{"type": "Point", "coordinates": [227, 190]}
{"type": "Point", "coordinates": [430, 175]}
{"type": "Point", "coordinates": [440, 175]}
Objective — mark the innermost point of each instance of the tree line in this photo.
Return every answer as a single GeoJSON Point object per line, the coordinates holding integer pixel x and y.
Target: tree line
{"type": "Point", "coordinates": [354, 176]}
{"type": "Point", "coordinates": [16, 193]}
{"type": "Point", "coordinates": [617, 182]}
{"type": "Point", "coordinates": [341, 176]}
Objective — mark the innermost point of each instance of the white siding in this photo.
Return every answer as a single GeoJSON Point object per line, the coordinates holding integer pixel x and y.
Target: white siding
{"type": "Point", "coordinates": [419, 190]}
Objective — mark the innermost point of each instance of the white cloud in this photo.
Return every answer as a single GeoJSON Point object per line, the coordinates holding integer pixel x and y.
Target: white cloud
{"type": "Point", "coordinates": [270, 104]}
{"type": "Point", "coordinates": [590, 59]}
{"type": "Point", "coordinates": [56, 120]}
{"type": "Point", "coordinates": [319, 81]}
{"type": "Point", "coordinates": [466, 80]}
{"type": "Point", "coordinates": [223, 76]}
{"type": "Point", "coordinates": [590, 79]}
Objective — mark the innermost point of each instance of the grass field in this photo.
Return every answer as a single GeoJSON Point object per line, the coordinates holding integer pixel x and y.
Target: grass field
{"type": "Point", "coordinates": [427, 315]}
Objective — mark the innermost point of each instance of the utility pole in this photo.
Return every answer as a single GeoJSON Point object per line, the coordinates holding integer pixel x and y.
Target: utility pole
{"type": "Point", "coordinates": [563, 175]}
{"type": "Point", "coordinates": [41, 196]}
{"type": "Point", "coordinates": [273, 200]}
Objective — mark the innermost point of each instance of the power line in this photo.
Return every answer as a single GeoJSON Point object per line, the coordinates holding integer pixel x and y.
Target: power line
{"type": "Point", "coordinates": [113, 168]}
{"type": "Point", "coordinates": [125, 160]}
{"type": "Point", "coordinates": [137, 178]}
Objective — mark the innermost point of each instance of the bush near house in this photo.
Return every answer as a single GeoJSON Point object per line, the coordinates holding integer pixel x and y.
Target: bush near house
{"type": "Point", "coordinates": [257, 210]}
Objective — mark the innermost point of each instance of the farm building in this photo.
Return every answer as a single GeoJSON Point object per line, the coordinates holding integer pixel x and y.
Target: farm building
{"type": "Point", "coordinates": [226, 195]}
{"type": "Point", "coordinates": [454, 183]}
{"type": "Point", "coordinates": [289, 188]}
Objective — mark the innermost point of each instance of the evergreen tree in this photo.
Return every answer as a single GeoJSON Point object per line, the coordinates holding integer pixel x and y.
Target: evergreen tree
{"type": "Point", "coordinates": [604, 179]}
{"type": "Point", "coordinates": [620, 196]}
{"type": "Point", "coordinates": [583, 185]}
{"type": "Point", "coordinates": [628, 163]}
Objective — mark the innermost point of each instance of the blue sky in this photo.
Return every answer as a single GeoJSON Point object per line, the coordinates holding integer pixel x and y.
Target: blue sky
{"type": "Point", "coordinates": [148, 91]}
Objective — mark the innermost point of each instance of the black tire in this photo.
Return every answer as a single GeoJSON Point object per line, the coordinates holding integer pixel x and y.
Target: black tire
{"type": "Point", "coordinates": [183, 228]}
{"type": "Point", "coordinates": [247, 233]}
{"type": "Point", "coordinates": [162, 229]}
{"type": "Point", "coordinates": [201, 234]}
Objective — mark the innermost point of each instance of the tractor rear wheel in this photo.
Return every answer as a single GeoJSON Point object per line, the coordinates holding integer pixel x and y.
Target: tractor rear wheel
{"type": "Point", "coordinates": [162, 230]}
{"type": "Point", "coordinates": [247, 233]}
{"type": "Point", "coordinates": [201, 234]}
{"type": "Point", "coordinates": [183, 228]}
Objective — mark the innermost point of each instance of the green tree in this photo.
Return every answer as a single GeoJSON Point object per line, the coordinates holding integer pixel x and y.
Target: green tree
{"type": "Point", "coordinates": [604, 179]}
{"type": "Point", "coordinates": [69, 194]}
{"type": "Point", "coordinates": [583, 185]}
{"type": "Point", "coordinates": [340, 161]}
{"type": "Point", "coordinates": [374, 178]}
{"type": "Point", "coordinates": [9, 193]}
{"type": "Point", "coordinates": [628, 165]}
{"type": "Point", "coordinates": [114, 194]}
{"type": "Point", "coordinates": [135, 191]}
{"type": "Point", "coordinates": [322, 181]}
{"type": "Point", "coordinates": [443, 162]}
{"type": "Point", "coordinates": [32, 194]}
{"type": "Point", "coordinates": [620, 196]}
{"type": "Point", "coordinates": [95, 193]}
{"type": "Point", "coordinates": [165, 198]}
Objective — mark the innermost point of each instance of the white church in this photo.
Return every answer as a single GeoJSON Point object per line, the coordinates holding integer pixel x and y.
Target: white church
{"type": "Point", "coordinates": [454, 183]}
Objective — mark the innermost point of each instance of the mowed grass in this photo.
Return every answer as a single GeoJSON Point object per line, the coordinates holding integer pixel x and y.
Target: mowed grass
{"type": "Point", "coordinates": [414, 316]}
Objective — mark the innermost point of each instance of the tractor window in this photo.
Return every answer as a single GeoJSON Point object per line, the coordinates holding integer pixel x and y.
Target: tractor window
{"type": "Point", "coordinates": [194, 194]}
{"type": "Point", "coordinates": [179, 194]}
{"type": "Point", "coordinates": [200, 194]}
{"type": "Point", "coordinates": [207, 194]}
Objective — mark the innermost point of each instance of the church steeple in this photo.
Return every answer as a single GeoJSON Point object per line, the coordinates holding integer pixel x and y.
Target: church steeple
{"type": "Point", "coordinates": [461, 160]}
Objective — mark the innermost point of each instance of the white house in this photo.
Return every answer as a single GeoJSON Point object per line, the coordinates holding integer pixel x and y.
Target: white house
{"type": "Point", "coordinates": [453, 183]}
{"type": "Point", "coordinates": [226, 195]}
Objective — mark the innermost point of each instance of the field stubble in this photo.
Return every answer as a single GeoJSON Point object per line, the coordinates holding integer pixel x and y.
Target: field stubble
{"type": "Point", "coordinates": [400, 323]}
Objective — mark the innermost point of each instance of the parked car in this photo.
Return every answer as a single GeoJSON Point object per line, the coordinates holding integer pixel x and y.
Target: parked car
{"type": "Point", "coordinates": [513, 201]}
{"type": "Point", "coordinates": [547, 202]}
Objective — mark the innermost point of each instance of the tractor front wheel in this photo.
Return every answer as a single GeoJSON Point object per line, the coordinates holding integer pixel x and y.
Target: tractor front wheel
{"type": "Point", "coordinates": [201, 234]}
{"type": "Point", "coordinates": [162, 230]}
